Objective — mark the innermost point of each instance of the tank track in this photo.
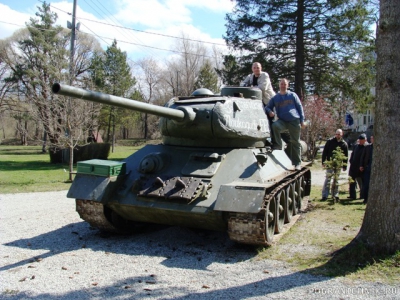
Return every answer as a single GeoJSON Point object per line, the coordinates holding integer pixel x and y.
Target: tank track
{"type": "Point", "coordinates": [242, 228]}
{"type": "Point", "coordinates": [250, 228]}
{"type": "Point", "coordinates": [93, 213]}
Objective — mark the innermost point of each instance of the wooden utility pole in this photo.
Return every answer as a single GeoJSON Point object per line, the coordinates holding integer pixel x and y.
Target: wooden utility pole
{"type": "Point", "coordinates": [71, 80]}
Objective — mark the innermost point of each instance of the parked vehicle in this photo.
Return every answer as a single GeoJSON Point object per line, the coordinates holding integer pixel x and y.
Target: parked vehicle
{"type": "Point", "coordinates": [214, 170]}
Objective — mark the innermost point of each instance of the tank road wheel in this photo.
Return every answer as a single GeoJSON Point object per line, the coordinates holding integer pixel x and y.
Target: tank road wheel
{"type": "Point", "coordinates": [289, 203]}
{"type": "Point", "coordinates": [296, 197]}
{"type": "Point", "coordinates": [302, 187]}
{"type": "Point", "coordinates": [270, 215]}
{"type": "Point", "coordinates": [299, 193]}
{"type": "Point", "coordinates": [280, 199]}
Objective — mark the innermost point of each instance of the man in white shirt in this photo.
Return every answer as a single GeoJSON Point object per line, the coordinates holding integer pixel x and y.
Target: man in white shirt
{"type": "Point", "coordinates": [261, 80]}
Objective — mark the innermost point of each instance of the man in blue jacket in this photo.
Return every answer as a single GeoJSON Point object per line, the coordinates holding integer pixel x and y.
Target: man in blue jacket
{"type": "Point", "coordinates": [290, 118]}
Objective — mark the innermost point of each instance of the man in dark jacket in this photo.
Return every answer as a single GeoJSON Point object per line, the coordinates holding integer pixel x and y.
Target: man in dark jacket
{"type": "Point", "coordinates": [327, 154]}
{"type": "Point", "coordinates": [366, 162]}
{"type": "Point", "coordinates": [354, 169]}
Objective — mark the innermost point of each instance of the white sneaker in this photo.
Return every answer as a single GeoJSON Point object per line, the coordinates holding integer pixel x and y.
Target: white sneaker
{"type": "Point", "coordinates": [298, 167]}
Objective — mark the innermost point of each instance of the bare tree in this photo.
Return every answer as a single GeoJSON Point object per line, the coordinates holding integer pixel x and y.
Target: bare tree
{"type": "Point", "coordinates": [184, 68]}
{"type": "Point", "coordinates": [37, 57]}
{"type": "Point", "coordinates": [5, 86]}
{"type": "Point", "coordinates": [321, 122]}
{"type": "Point", "coordinates": [148, 81]}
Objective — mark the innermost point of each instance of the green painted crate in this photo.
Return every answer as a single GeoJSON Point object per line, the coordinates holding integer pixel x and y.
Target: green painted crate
{"type": "Point", "coordinates": [101, 167]}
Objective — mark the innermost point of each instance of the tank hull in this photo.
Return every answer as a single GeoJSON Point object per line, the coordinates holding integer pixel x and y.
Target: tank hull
{"type": "Point", "coordinates": [184, 186]}
{"type": "Point", "coordinates": [215, 170]}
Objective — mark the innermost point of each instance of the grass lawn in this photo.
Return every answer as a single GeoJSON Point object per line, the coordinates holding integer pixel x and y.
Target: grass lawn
{"type": "Point", "coordinates": [25, 169]}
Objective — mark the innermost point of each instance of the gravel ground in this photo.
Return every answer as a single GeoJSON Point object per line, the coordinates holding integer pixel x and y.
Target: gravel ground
{"type": "Point", "coordinates": [48, 252]}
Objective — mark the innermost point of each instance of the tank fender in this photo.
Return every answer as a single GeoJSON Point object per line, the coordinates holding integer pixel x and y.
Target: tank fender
{"type": "Point", "coordinates": [241, 197]}
{"type": "Point", "coordinates": [92, 187]}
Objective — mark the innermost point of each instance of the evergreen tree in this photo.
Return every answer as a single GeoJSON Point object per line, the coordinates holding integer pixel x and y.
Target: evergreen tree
{"type": "Point", "coordinates": [236, 68]}
{"type": "Point", "coordinates": [337, 163]}
{"type": "Point", "coordinates": [301, 39]}
{"type": "Point", "coordinates": [38, 62]}
{"type": "Point", "coordinates": [117, 72]}
{"type": "Point", "coordinates": [207, 78]}
{"type": "Point", "coordinates": [112, 75]}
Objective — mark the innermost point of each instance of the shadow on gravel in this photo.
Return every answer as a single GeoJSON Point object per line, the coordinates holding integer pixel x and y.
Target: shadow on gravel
{"type": "Point", "coordinates": [146, 287]}
{"type": "Point", "coordinates": [200, 248]}
{"type": "Point", "coordinates": [169, 242]}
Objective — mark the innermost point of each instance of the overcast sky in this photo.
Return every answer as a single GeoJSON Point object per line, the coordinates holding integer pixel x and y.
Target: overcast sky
{"type": "Point", "coordinates": [201, 20]}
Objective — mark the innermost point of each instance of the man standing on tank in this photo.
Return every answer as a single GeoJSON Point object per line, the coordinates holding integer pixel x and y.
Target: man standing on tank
{"type": "Point", "coordinates": [327, 155]}
{"type": "Point", "coordinates": [261, 80]}
{"type": "Point", "coordinates": [289, 111]}
{"type": "Point", "coordinates": [354, 169]}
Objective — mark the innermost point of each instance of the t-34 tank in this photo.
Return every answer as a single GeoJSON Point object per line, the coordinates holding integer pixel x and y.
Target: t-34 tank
{"type": "Point", "coordinates": [214, 170]}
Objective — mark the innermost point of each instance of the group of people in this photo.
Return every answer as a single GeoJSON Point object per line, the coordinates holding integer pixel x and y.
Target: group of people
{"type": "Point", "coordinates": [284, 107]}
{"type": "Point", "coordinates": [359, 170]}
{"type": "Point", "coordinates": [286, 111]}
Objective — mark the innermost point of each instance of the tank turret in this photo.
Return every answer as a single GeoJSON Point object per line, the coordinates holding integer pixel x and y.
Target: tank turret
{"type": "Point", "coordinates": [212, 171]}
{"type": "Point", "coordinates": [201, 120]}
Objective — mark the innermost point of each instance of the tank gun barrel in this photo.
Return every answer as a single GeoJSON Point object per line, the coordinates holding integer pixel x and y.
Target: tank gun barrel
{"type": "Point", "coordinates": [67, 90]}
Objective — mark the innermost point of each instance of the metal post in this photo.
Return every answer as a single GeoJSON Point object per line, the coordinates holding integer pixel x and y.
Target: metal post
{"type": "Point", "coordinates": [72, 49]}
{"type": "Point", "coordinates": [177, 87]}
{"type": "Point", "coordinates": [113, 135]}
{"type": "Point", "coordinates": [71, 79]}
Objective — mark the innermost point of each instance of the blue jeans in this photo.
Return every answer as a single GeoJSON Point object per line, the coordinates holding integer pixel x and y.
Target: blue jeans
{"type": "Point", "coordinates": [329, 176]}
{"type": "Point", "coordinates": [294, 146]}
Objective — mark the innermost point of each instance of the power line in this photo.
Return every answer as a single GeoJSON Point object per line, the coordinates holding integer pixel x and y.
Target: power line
{"type": "Point", "coordinates": [146, 32]}
{"type": "Point", "coordinates": [115, 21]}
{"type": "Point", "coordinates": [27, 26]}
{"type": "Point", "coordinates": [160, 34]}
{"type": "Point", "coordinates": [121, 41]}
{"type": "Point", "coordinates": [94, 34]}
{"type": "Point", "coordinates": [168, 50]}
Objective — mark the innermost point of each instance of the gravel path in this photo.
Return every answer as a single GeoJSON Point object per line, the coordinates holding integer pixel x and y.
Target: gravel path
{"type": "Point", "coordinates": [48, 252]}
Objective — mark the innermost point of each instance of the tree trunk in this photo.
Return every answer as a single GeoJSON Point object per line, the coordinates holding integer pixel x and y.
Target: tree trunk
{"type": "Point", "coordinates": [299, 67]}
{"type": "Point", "coordinates": [381, 225]}
{"type": "Point", "coordinates": [145, 126]}
{"type": "Point", "coordinates": [25, 133]}
{"type": "Point", "coordinates": [109, 126]}
{"type": "Point", "coordinates": [44, 142]}
{"type": "Point", "coordinates": [37, 131]}
{"type": "Point", "coordinates": [71, 161]}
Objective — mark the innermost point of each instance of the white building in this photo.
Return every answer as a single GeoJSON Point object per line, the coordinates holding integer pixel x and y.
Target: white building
{"type": "Point", "coordinates": [364, 121]}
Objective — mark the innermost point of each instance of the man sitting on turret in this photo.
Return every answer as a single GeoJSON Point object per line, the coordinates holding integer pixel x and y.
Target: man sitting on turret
{"type": "Point", "coordinates": [261, 80]}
